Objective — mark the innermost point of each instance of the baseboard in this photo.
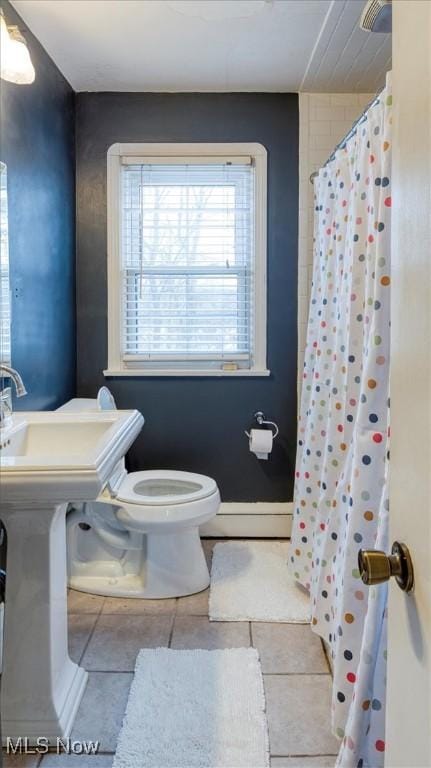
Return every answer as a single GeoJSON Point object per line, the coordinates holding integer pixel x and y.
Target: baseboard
{"type": "Point", "coordinates": [329, 656]}
{"type": "Point", "coordinates": [256, 508]}
{"type": "Point", "coordinates": [254, 519]}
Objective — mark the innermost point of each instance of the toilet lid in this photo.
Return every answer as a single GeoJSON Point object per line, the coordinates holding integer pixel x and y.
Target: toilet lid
{"type": "Point", "coordinates": [105, 400]}
{"type": "Point", "coordinates": [164, 487]}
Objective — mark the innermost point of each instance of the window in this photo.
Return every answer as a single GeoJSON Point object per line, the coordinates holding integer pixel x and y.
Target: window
{"type": "Point", "coordinates": [187, 259]}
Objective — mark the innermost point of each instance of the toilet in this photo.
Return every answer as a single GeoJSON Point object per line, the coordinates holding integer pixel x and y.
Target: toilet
{"type": "Point", "coordinates": [140, 538]}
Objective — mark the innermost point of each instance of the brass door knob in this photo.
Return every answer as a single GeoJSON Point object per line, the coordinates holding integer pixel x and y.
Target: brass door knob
{"type": "Point", "coordinates": [376, 567]}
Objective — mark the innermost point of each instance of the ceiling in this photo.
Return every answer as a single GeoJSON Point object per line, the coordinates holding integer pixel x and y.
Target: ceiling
{"type": "Point", "coordinates": [210, 45]}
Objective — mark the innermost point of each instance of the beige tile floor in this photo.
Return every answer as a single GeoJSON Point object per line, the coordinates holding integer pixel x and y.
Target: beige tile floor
{"type": "Point", "coordinates": [105, 635]}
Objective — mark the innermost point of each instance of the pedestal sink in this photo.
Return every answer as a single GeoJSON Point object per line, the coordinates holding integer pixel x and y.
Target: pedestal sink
{"type": "Point", "coordinates": [46, 460]}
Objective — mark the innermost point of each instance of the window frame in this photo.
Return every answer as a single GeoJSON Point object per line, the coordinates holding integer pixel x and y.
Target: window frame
{"type": "Point", "coordinates": [117, 366]}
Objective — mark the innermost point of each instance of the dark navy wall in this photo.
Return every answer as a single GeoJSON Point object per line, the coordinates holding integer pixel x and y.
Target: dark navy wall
{"type": "Point", "coordinates": [196, 424]}
{"type": "Point", "coordinates": [37, 144]}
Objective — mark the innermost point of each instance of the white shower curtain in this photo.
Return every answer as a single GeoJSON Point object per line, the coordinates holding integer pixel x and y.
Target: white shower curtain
{"type": "Point", "coordinates": [342, 459]}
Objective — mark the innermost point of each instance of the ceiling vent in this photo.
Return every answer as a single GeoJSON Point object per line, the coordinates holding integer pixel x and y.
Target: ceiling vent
{"type": "Point", "coordinates": [377, 16]}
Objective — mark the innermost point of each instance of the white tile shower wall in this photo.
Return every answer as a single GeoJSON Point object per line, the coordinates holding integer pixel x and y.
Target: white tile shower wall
{"type": "Point", "coordinates": [324, 118]}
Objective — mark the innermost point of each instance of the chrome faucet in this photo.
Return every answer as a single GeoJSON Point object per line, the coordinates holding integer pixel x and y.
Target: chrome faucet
{"type": "Point", "coordinates": [5, 399]}
{"type": "Point", "coordinates": [11, 373]}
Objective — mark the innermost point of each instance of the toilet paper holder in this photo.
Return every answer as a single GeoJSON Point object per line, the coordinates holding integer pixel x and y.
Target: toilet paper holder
{"type": "Point", "coordinates": [260, 418]}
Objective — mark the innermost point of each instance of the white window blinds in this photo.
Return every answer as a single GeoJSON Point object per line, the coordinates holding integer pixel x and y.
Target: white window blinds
{"type": "Point", "coordinates": [187, 260]}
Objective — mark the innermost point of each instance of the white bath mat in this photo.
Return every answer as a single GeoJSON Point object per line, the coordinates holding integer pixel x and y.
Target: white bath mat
{"type": "Point", "coordinates": [195, 709]}
{"type": "Point", "coordinates": [250, 582]}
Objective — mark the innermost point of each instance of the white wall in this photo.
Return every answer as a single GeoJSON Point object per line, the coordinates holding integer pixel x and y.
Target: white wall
{"type": "Point", "coordinates": [324, 119]}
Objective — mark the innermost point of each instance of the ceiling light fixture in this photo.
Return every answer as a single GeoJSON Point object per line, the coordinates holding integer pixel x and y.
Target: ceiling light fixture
{"type": "Point", "coordinates": [16, 64]}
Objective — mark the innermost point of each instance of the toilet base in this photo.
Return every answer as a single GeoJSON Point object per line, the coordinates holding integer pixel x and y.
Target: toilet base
{"type": "Point", "coordinates": [170, 565]}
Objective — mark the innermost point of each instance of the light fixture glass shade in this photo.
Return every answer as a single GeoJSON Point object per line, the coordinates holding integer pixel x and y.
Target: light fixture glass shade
{"type": "Point", "coordinates": [16, 64]}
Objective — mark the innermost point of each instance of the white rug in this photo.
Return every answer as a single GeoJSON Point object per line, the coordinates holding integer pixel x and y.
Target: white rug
{"type": "Point", "coordinates": [250, 582]}
{"type": "Point", "coordinates": [195, 709]}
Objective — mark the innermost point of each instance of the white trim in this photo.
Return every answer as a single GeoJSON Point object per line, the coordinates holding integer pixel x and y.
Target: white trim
{"type": "Point", "coordinates": [114, 288]}
{"type": "Point", "coordinates": [260, 271]}
{"type": "Point", "coordinates": [256, 508]}
{"type": "Point", "coordinates": [140, 151]}
{"type": "Point", "coordinates": [249, 526]}
{"type": "Point", "coordinates": [197, 149]}
{"type": "Point", "coordinates": [328, 652]}
{"type": "Point", "coordinates": [138, 372]}
{"type": "Point", "coordinates": [258, 519]}
{"type": "Point", "coordinates": [179, 159]}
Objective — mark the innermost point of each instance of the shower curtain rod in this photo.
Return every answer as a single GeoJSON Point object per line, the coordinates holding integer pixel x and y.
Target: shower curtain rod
{"type": "Point", "coordinates": [341, 144]}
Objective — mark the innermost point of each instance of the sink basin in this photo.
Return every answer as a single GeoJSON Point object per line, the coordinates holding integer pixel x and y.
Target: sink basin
{"type": "Point", "coordinates": [53, 443]}
{"type": "Point", "coordinates": [47, 459]}
{"type": "Point", "coordinates": [59, 456]}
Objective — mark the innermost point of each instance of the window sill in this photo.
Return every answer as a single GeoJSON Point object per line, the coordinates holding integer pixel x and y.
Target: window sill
{"type": "Point", "coordinates": [139, 373]}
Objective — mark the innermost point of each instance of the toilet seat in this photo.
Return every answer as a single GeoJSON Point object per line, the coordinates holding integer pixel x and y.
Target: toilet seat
{"type": "Point", "coordinates": [163, 487]}
{"type": "Point", "coordinates": [164, 501]}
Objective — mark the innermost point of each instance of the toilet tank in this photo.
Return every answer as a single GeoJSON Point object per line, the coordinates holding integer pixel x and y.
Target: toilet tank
{"type": "Point", "coordinates": [80, 404]}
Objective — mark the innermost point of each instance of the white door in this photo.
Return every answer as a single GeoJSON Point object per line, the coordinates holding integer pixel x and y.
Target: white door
{"type": "Point", "coordinates": [409, 650]}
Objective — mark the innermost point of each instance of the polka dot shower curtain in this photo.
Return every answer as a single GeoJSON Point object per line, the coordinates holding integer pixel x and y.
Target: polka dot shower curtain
{"type": "Point", "coordinates": [342, 460]}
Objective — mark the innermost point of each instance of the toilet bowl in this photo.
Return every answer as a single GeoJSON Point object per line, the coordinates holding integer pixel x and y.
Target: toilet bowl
{"type": "Point", "coordinates": [141, 537]}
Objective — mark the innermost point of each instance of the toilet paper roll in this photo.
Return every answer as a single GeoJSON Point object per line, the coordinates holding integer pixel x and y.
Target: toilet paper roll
{"type": "Point", "coordinates": [261, 442]}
